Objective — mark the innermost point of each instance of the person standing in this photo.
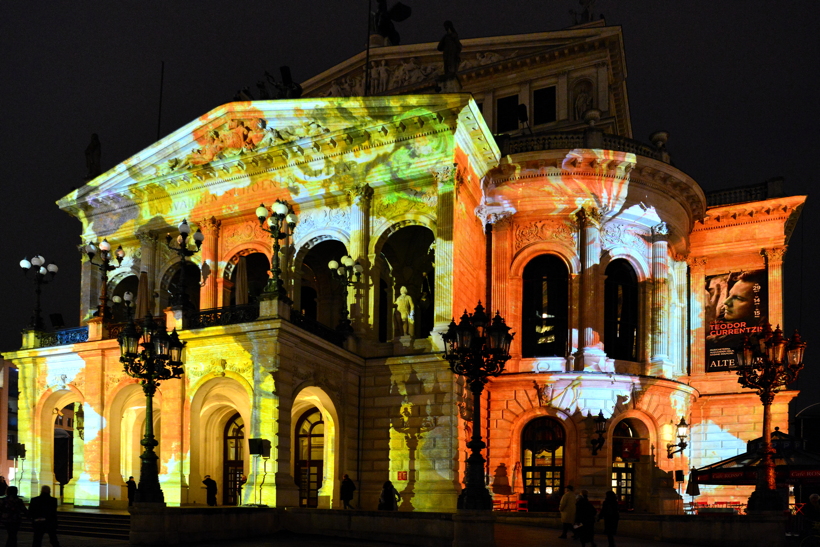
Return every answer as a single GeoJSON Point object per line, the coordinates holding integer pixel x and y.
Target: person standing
{"type": "Point", "coordinates": [3, 485]}
{"type": "Point", "coordinates": [389, 497]}
{"type": "Point", "coordinates": [346, 491]}
{"type": "Point", "coordinates": [43, 513]}
{"type": "Point", "coordinates": [132, 490]}
{"type": "Point", "coordinates": [610, 515]}
{"type": "Point", "coordinates": [567, 508]}
{"type": "Point", "coordinates": [585, 518]}
{"type": "Point", "coordinates": [13, 510]}
{"type": "Point", "coordinates": [210, 490]}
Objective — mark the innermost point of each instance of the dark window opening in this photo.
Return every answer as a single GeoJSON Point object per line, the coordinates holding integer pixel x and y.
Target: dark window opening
{"type": "Point", "coordinates": [621, 311]}
{"type": "Point", "coordinates": [543, 105]}
{"type": "Point", "coordinates": [544, 309]}
{"type": "Point", "coordinates": [506, 114]}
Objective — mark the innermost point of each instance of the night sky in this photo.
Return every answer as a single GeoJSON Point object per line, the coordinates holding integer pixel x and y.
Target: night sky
{"type": "Point", "coordinates": [732, 82]}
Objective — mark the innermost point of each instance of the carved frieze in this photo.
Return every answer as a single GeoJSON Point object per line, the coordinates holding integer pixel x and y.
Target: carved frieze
{"type": "Point", "coordinates": [322, 218]}
{"type": "Point", "coordinates": [236, 234]}
{"type": "Point", "coordinates": [617, 234]}
{"type": "Point", "coordinates": [400, 204]}
{"type": "Point", "coordinates": [543, 230]}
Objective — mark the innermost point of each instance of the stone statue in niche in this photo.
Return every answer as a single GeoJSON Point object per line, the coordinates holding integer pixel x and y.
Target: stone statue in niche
{"type": "Point", "coordinates": [92, 157]}
{"type": "Point", "coordinates": [582, 99]}
{"type": "Point", "coordinates": [406, 309]}
{"type": "Point", "coordinates": [450, 47]}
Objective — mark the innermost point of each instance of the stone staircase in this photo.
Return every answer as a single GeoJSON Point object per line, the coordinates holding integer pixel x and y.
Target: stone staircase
{"type": "Point", "coordinates": [90, 524]}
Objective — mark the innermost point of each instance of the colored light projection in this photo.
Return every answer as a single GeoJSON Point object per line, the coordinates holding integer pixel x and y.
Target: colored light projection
{"type": "Point", "coordinates": [356, 171]}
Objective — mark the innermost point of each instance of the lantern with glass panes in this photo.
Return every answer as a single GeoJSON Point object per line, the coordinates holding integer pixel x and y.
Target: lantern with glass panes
{"type": "Point", "coordinates": [184, 251]}
{"type": "Point", "coordinates": [42, 275]}
{"type": "Point", "coordinates": [105, 266]}
{"type": "Point", "coordinates": [280, 225]}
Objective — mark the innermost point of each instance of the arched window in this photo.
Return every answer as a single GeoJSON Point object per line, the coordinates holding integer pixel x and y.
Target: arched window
{"type": "Point", "coordinates": [544, 309]}
{"type": "Point", "coordinates": [310, 445]}
{"type": "Point", "coordinates": [621, 311]}
{"type": "Point", "coordinates": [542, 462]}
{"type": "Point", "coordinates": [626, 451]}
{"type": "Point", "coordinates": [233, 459]}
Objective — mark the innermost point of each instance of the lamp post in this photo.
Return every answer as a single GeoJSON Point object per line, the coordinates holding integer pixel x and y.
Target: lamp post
{"type": "Point", "coordinates": [477, 349]}
{"type": "Point", "coordinates": [127, 300]}
{"type": "Point", "coordinates": [42, 275]}
{"type": "Point", "coordinates": [180, 297]}
{"type": "Point", "coordinates": [682, 433]}
{"type": "Point", "coordinates": [281, 223]}
{"type": "Point", "coordinates": [347, 273]}
{"type": "Point", "coordinates": [767, 363]}
{"type": "Point", "coordinates": [105, 266]}
{"type": "Point", "coordinates": [159, 359]}
{"type": "Point", "coordinates": [600, 430]}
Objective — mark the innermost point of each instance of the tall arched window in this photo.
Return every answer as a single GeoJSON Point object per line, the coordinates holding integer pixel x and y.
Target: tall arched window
{"type": "Point", "coordinates": [233, 458]}
{"type": "Point", "coordinates": [310, 446]}
{"type": "Point", "coordinates": [544, 309]}
{"type": "Point", "coordinates": [542, 461]}
{"type": "Point", "coordinates": [621, 311]}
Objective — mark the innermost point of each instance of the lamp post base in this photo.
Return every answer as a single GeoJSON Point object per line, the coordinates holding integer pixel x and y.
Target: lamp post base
{"type": "Point", "coordinates": [477, 499]}
{"type": "Point", "coordinates": [764, 499]}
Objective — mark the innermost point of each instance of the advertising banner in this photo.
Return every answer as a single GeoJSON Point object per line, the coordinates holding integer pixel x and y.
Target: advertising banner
{"type": "Point", "coordinates": [737, 305]}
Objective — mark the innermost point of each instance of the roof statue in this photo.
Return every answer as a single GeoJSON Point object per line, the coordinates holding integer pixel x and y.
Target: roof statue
{"type": "Point", "coordinates": [585, 15]}
{"type": "Point", "coordinates": [383, 18]}
{"type": "Point", "coordinates": [92, 157]}
{"type": "Point", "coordinates": [450, 47]}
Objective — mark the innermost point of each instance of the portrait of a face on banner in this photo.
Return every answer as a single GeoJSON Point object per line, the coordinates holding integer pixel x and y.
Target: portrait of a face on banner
{"type": "Point", "coordinates": [737, 304]}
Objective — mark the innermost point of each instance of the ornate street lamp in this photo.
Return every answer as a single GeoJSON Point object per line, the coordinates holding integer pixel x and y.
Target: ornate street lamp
{"type": "Point", "coordinates": [600, 430]}
{"type": "Point", "coordinates": [105, 266]}
{"type": "Point", "coordinates": [346, 274]}
{"type": "Point", "coordinates": [159, 358]}
{"type": "Point", "coordinates": [767, 363]}
{"type": "Point", "coordinates": [477, 348]}
{"type": "Point", "coordinates": [281, 223]}
{"type": "Point", "coordinates": [42, 275]}
{"type": "Point", "coordinates": [180, 297]}
{"type": "Point", "coordinates": [682, 433]}
{"type": "Point", "coordinates": [126, 300]}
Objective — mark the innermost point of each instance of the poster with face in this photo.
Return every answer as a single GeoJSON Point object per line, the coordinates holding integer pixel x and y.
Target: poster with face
{"type": "Point", "coordinates": [737, 305]}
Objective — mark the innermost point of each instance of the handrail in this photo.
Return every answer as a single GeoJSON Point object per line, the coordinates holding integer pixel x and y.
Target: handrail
{"type": "Point", "coordinates": [63, 337]}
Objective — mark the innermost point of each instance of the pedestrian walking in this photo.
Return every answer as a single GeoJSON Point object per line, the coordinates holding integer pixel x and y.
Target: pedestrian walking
{"type": "Point", "coordinates": [347, 489]}
{"type": "Point", "coordinates": [43, 513]}
{"type": "Point", "coordinates": [132, 490]}
{"type": "Point", "coordinates": [12, 511]}
{"type": "Point", "coordinates": [389, 497]}
{"type": "Point", "coordinates": [610, 515]}
{"type": "Point", "coordinates": [210, 490]}
{"type": "Point", "coordinates": [567, 508]}
{"type": "Point", "coordinates": [585, 519]}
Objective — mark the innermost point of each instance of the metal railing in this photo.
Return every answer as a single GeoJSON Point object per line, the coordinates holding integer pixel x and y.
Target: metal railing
{"type": "Point", "coordinates": [63, 337]}
{"type": "Point", "coordinates": [230, 315]}
{"type": "Point", "coordinates": [576, 139]}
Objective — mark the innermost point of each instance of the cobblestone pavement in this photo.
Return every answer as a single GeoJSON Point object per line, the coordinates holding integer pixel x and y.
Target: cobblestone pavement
{"type": "Point", "coordinates": [507, 535]}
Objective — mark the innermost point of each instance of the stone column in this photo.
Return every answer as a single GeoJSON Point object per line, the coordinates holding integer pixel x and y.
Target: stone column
{"type": "Point", "coordinates": [659, 333]}
{"type": "Point", "coordinates": [172, 464]}
{"type": "Point", "coordinates": [697, 301]}
{"type": "Point", "coordinates": [209, 293]}
{"type": "Point", "coordinates": [444, 176]}
{"type": "Point", "coordinates": [591, 352]}
{"type": "Point", "coordinates": [774, 266]}
{"type": "Point", "coordinates": [359, 296]}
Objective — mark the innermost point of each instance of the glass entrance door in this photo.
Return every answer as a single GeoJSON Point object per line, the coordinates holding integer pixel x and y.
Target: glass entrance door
{"type": "Point", "coordinates": [234, 460]}
{"type": "Point", "coordinates": [310, 439]}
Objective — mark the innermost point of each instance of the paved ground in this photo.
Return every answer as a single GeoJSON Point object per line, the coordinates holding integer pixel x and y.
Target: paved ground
{"type": "Point", "coordinates": [506, 536]}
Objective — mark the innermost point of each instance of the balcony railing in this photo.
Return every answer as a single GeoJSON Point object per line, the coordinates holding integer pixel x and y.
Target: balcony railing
{"type": "Point", "coordinates": [314, 327]}
{"type": "Point", "coordinates": [114, 329]}
{"type": "Point", "coordinates": [64, 337]}
{"type": "Point", "coordinates": [571, 140]}
{"type": "Point", "coordinates": [224, 316]}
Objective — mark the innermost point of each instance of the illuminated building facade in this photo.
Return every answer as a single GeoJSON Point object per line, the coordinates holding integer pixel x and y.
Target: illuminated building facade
{"type": "Point", "coordinates": [619, 279]}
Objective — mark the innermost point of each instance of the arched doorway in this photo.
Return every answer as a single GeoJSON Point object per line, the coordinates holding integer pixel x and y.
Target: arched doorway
{"type": "Point", "coordinates": [542, 463]}
{"type": "Point", "coordinates": [310, 445]}
{"type": "Point", "coordinates": [173, 293]}
{"type": "Point", "coordinates": [249, 278]}
{"type": "Point", "coordinates": [128, 284]}
{"type": "Point", "coordinates": [64, 445]}
{"type": "Point", "coordinates": [233, 458]}
{"type": "Point", "coordinates": [626, 453]}
{"type": "Point", "coordinates": [320, 297]}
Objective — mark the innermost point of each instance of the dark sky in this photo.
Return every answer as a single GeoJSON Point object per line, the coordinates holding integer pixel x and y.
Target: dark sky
{"type": "Point", "coordinates": [732, 82]}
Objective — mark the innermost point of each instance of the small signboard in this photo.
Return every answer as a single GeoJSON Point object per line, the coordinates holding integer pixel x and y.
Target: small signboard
{"type": "Point", "coordinates": [402, 476]}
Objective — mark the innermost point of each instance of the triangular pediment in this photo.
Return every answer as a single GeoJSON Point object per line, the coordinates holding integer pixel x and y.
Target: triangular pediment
{"type": "Point", "coordinates": [301, 140]}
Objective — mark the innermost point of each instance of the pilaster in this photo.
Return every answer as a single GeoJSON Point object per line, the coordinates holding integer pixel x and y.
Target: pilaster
{"type": "Point", "coordinates": [209, 293]}
{"type": "Point", "coordinates": [591, 353]}
{"type": "Point", "coordinates": [697, 279]}
{"type": "Point", "coordinates": [171, 470]}
{"type": "Point", "coordinates": [774, 266]}
{"type": "Point", "coordinates": [444, 176]}
{"type": "Point", "coordinates": [360, 198]}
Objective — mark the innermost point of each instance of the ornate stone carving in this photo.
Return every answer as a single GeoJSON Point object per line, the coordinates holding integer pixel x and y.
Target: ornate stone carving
{"type": "Point", "coordinates": [543, 230]}
{"type": "Point", "coordinates": [210, 226]}
{"type": "Point", "coordinates": [395, 205]}
{"type": "Point", "coordinates": [616, 234]}
{"type": "Point", "coordinates": [660, 232]}
{"type": "Point", "coordinates": [321, 218]}
{"type": "Point", "coordinates": [146, 238]}
{"type": "Point", "coordinates": [543, 393]}
{"type": "Point", "coordinates": [492, 214]}
{"type": "Point", "coordinates": [444, 174]}
{"type": "Point", "coordinates": [360, 195]}
{"type": "Point", "coordinates": [237, 234]}
{"type": "Point", "coordinates": [774, 254]}
{"type": "Point", "coordinates": [696, 262]}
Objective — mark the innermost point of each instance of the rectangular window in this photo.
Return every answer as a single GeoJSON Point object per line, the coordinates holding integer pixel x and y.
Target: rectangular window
{"type": "Point", "coordinates": [506, 114]}
{"type": "Point", "coordinates": [543, 105]}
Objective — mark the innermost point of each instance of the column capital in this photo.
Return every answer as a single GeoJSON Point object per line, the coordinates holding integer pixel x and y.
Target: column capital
{"type": "Point", "coordinates": [146, 237]}
{"type": "Point", "coordinates": [443, 173]}
{"type": "Point", "coordinates": [360, 195]}
{"type": "Point", "coordinates": [210, 226]}
{"type": "Point", "coordinates": [774, 254]}
{"type": "Point", "coordinates": [660, 232]}
{"type": "Point", "coordinates": [588, 215]}
{"type": "Point", "coordinates": [697, 262]}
